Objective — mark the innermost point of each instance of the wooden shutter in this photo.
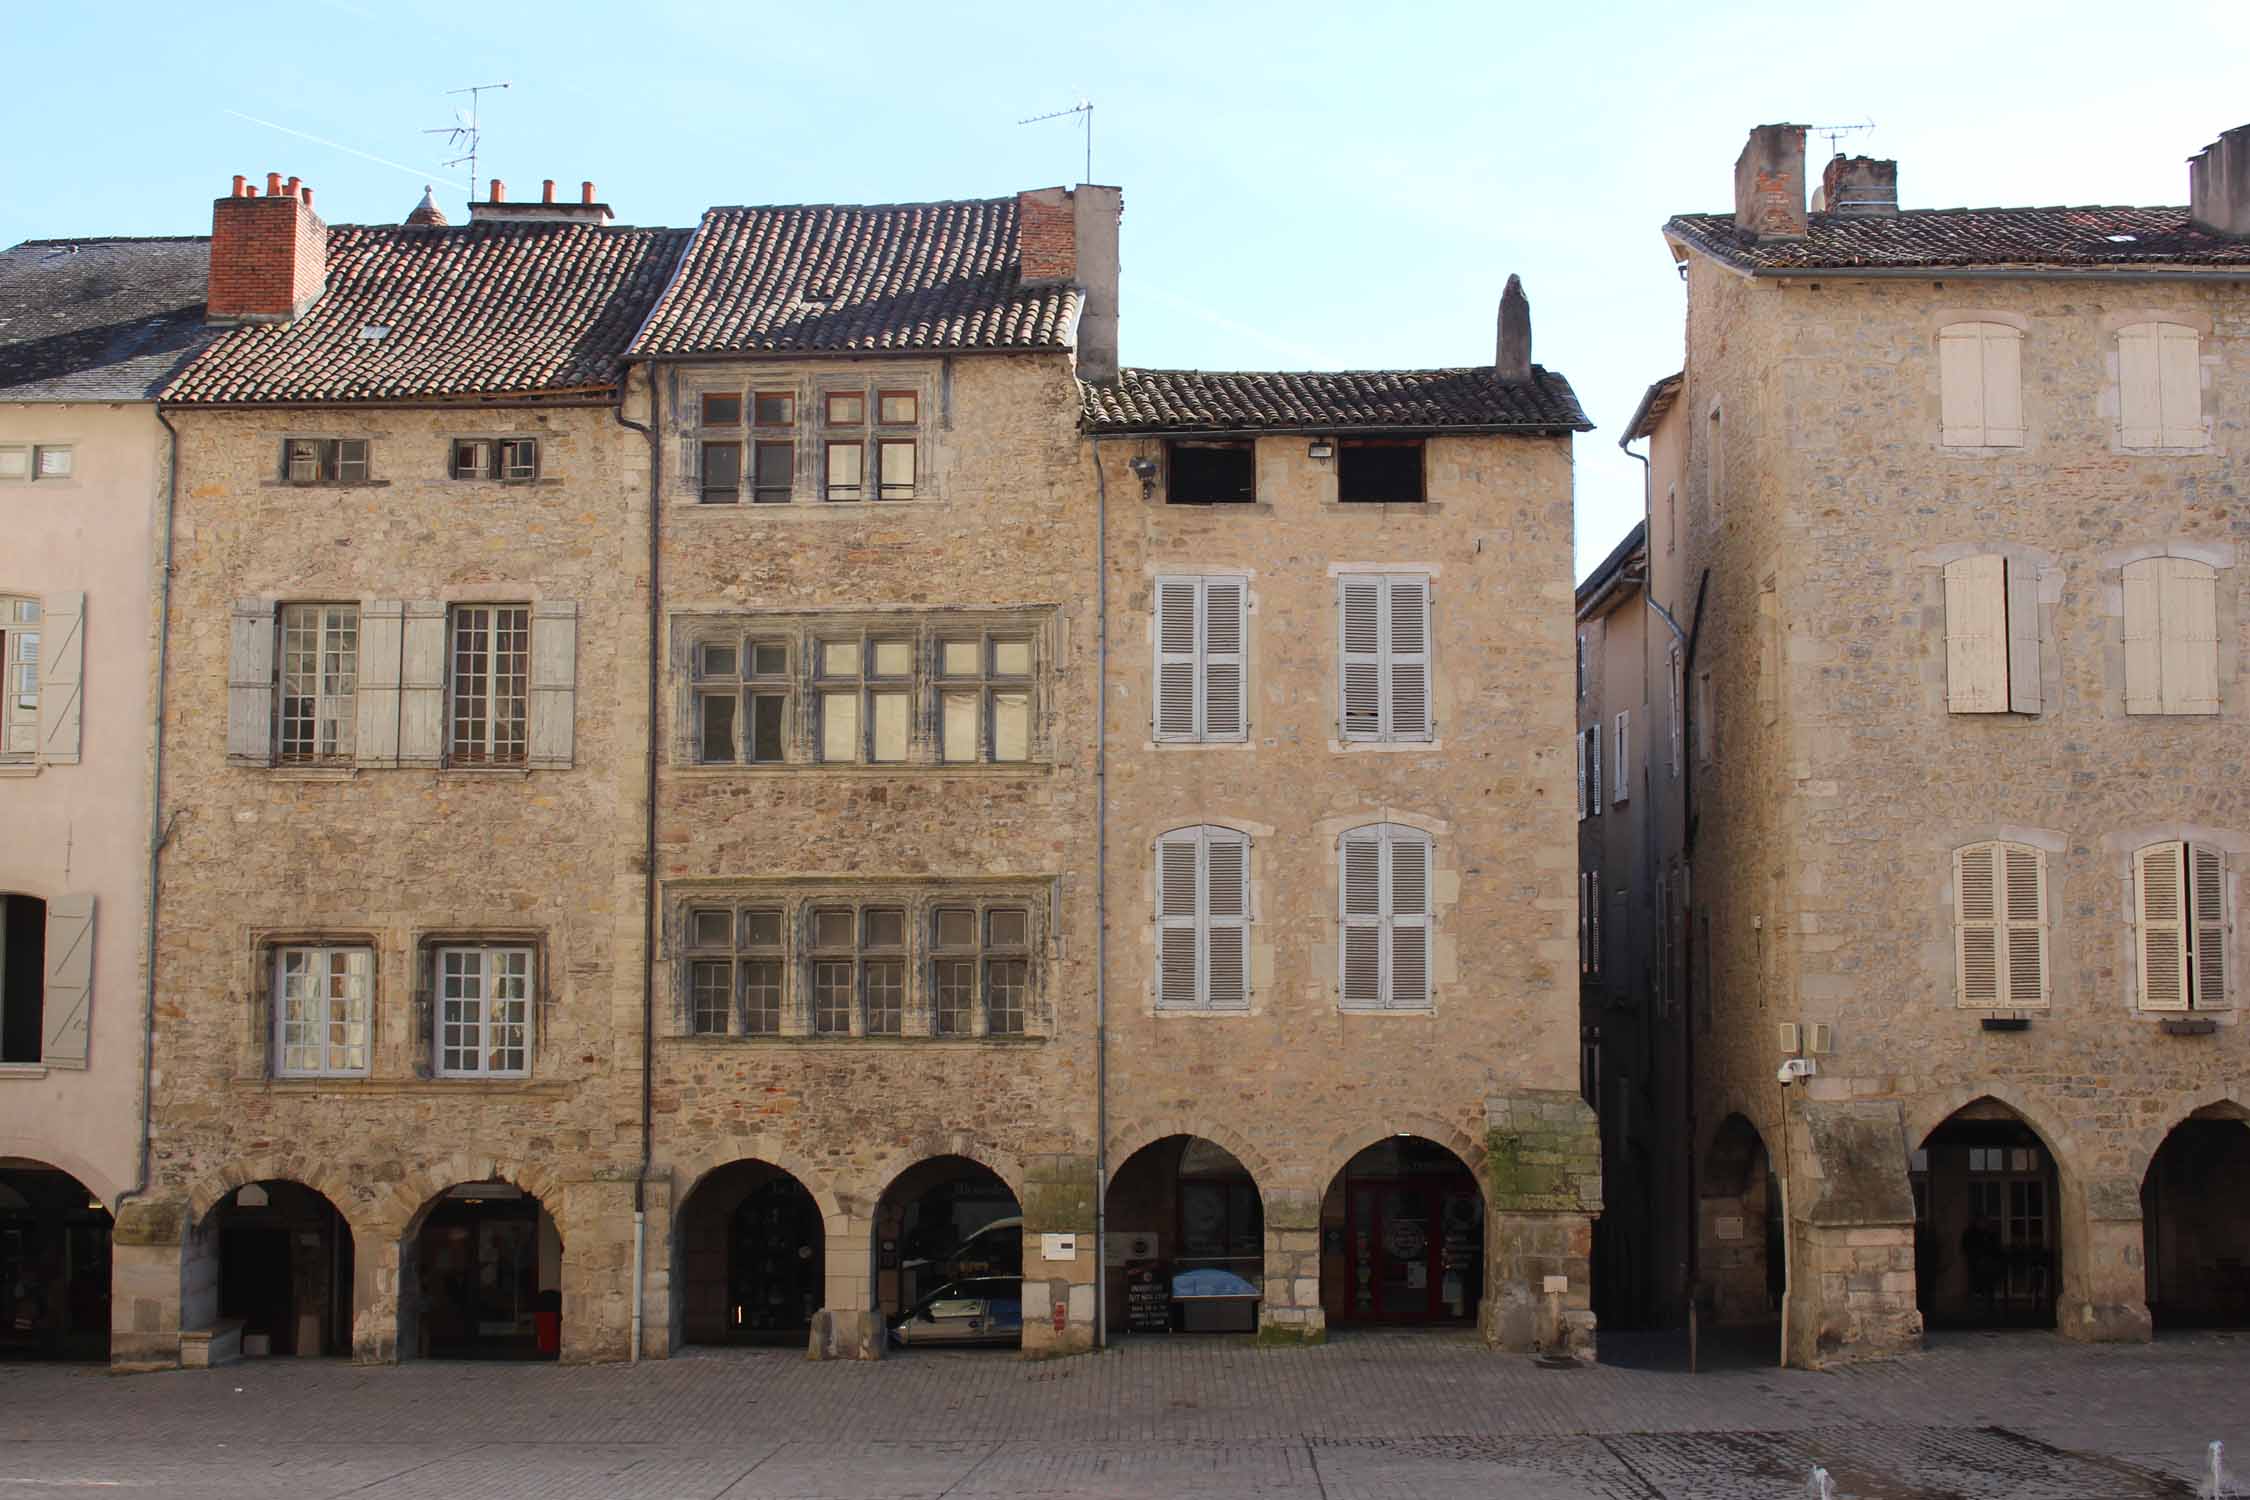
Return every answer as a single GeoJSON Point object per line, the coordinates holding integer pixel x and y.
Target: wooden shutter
{"type": "Point", "coordinates": [1620, 771]}
{"type": "Point", "coordinates": [1594, 769]}
{"type": "Point", "coordinates": [2023, 636]}
{"type": "Point", "coordinates": [1226, 862]}
{"type": "Point", "coordinates": [2179, 371]}
{"type": "Point", "coordinates": [381, 639]}
{"type": "Point", "coordinates": [62, 663]}
{"type": "Point", "coordinates": [69, 999]}
{"type": "Point", "coordinates": [1976, 643]}
{"type": "Point", "coordinates": [2024, 916]}
{"type": "Point", "coordinates": [2188, 608]}
{"type": "Point", "coordinates": [1578, 752]}
{"type": "Point", "coordinates": [1176, 655]}
{"type": "Point", "coordinates": [2002, 350]}
{"type": "Point", "coordinates": [1976, 899]}
{"type": "Point", "coordinates": [2207, 911]}
{"type": "Point", "coordinates": [1409, 928]}
{"type": "Point", "coordinates": [421, 684]}
{"type": "Point", "coordinates": [250, 683]}
{"type": "Point", "coordinates": [554, 682]}
{"type": "Point", "coordinates": [1360, 855]}
{"type": "Point", "coordinates": [1224, 705]}
{"type": "Point", "coordinates": [2159, 900]}
{"type": "Point", "coordinates": [1177, 858]}
{"type": "Point", "coordinates": [2144, 635]}
{"type": "Point", "coordinates": [1407, 652]}
{"type": "Point", "coordinates": [2140, 386]}
{"type": "Point", "coordinates": [1359, 633]}
{"type": "Point", "coordinates": [1980, 384]}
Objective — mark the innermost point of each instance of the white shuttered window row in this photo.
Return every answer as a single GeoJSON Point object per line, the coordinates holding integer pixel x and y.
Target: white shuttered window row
{"type": "Point", "coordinates": [2000, 925]}
{"type": "Point", "coordinates": [2185, 926]}
{"type": "Point", "coordinates": [1384, 880]}
{"type": "Point", "coordinates": [2171, 636]}
{"type": "Point", "coordinates": [1980, 379]}
{"type": "Point", "coordinates": [1201, 668]}
{"type": "Point", "coordinates": [2159, 386]}
{"type": "Point", "coordinates": [1992, 635]}
{"type": "Point", "coordinates": [1383, 658]}
{"type": "Point", "coordinates": [1203, 920]}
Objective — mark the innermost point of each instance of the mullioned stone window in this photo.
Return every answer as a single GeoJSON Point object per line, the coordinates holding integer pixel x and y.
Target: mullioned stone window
{"type": "Point", "coordinates": [808, 438]}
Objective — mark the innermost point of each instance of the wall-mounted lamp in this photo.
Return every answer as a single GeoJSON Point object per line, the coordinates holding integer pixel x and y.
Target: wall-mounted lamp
{"type": "Point", "coordinates": [1144, 469]}
{"type": "Point", "coordinates": [1321, 450]}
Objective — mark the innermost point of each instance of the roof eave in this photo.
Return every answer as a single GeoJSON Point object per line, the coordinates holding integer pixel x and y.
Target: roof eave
{"type": "Point", "coordinates": [1479, 429]}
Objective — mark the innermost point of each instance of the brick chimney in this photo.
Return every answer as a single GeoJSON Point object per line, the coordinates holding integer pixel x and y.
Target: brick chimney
{"type": "Point", "coordinates": [1511, 359]}
{"type": "Point", "coordinates": [498, 210]}
{"type": "Point", "coordinates": [1858, 187]}
{"type": "Point", "coordinates": [1769, 184]}
{"type": "Point", "coordinates": [269, 255]}
{"type": "Point", "coordinates": [2219, 184]}
{"type": "Point", "coordinates": [1068, 237]}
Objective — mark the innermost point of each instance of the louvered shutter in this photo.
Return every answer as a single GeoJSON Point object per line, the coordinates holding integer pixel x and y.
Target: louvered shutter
{"type": "Point", "coordinates": [1594, 769]}
{"type": "Point", "coordinates": [1409, 872]}
{"type": "Point", "coordinates": [1620, 771]}
{"type": "Point", "coordinates": [1226, 863]}
{"type": "Point", "coordinates": [2140, 387]}
{"type": "Point", "coordinates": [2002, 351]}
{"type": "Point", "coordinates": [1980, 385]}
{"type": "Point", "coordinates": [2188, 605]}
{"type": "Point", "coordinates": [2023, 636]}
{"type": "Point", "coordinates": [1976, 895]}
{"type": "Point", "coordinates": [1177, 648]}
{"type": "Point", "coordinates": [1407, 614]}
{"type": "Point", "coordinates": [2144, 635]}
{"type": "Point", "coordinates": [69, 999]}
{"type": "Point", "coordinates": [1578, 753]}
{"type": "Point", "coordinates": [2025, 913]}
{"type": "Point", "coordinates": [1224, 705]}
{"type": "Point", "coordinates": [421, 687]}
{"type": "Point", "coordinates": [250, 683]}
{"type": "Point", "coordinates": [1177, 859]}
{"type": "Point", "coordinates": [62, 665]}
{"type": "Point", "coordinates": [2207, 909]}
{"type": "Point", "coordinates": [2179, 375]}
{"type": "Point", "coordinates": [381, 639]}
{"type": "Point", "coordinates": [1976, 648]}
{"type": "Point", "coordinates": [1360, 634]}
{"type": "Point", "coordinates": [2158, 898]}
{"type": "Point", "coordinates": [1361, 853]}
{"type": "Point", "coordinates": [554, 682]}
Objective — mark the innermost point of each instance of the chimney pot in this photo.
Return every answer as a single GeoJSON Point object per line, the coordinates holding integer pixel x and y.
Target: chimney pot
{"type": "Point", "coordinates": [499, 191]}
{"type": "Point", "coordinates": [308, 200]}
{"type": "Point", "coordinates": [273, 184]}
{"type": "Point", "coordinates": [547, 190]}
{"type": "Point", "coordinates": [1512, 353]}
{"type": "Point", "coordinates": [237, 186]}
{"type": "Point", "coordinates": [2219, 185]}
{"type": "Point", "coordinates": [291, 186]}
{"type": "Point", "coordinates": [1769, 184]}
{"type": "Point", "coordinates": [585, 192]}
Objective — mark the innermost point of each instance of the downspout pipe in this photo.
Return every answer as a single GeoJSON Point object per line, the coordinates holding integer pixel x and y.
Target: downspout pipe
{"type": "Point", "coordinates": [1101, 901]}
{"type": "Point", "coordinates": [648, 847]}
{"type": "Point", "coordinates": [159, 831]}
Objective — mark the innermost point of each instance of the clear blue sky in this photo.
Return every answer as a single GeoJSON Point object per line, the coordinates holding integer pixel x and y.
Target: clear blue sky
{"type": "Point", "coordinates": [1306, 185]}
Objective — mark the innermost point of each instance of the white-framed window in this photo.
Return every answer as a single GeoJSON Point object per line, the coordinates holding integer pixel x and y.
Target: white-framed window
{"type": "Point", "coordinates": [20, 631]}
{"type": "Point", "coordinates": [35, 461]}
{"type": "Point", "coordinates": [319, 682]}
{"type": "Point", "coordinates": [323, 1014]}
{"type": "Point", "coordinates": [1201, 670]}
{"type": "Point", "coordinates": [2171, 636]}
{"type": "Point", "coordinates": [1383, 658]}
{"type": "Point", "coordinates": [510, 460]}
{"type": "Point", "coordinates": [1385, 878]}
{"type": "Point", "coordinates": [1620, 774]}
{"type": "Point", "coordinates": [484, 1012]}
{"type": "Point", "coordinates": [2159, 386]}
{"type": "Point", "coordinates": [490, 717]}
{"type": "Point", "coordinates": [324, 460]}
{"type": "Point", "coordinates": [2185, 921]}
{"type": "Point", "coordinates": [1991, 635]}
{"type": "Point", "coordinates": [1203, 919]}
{"type": "Point", "coordinates": [2000, 925]}
{"type": "Point", "coordinates": [1980, 385]}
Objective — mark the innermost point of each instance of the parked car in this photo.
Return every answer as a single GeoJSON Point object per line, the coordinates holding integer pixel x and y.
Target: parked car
{"type": "Point", "coordinates": [994, 1249]}
{"type": "Point", "coordinates": [982, 1310]}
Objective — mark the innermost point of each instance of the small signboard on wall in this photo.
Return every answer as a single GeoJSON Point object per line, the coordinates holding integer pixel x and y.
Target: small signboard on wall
{"type": "Point", "coordinates": [1058, 1247]}
{"type": "Point", "coordinates": [1727, 1228]}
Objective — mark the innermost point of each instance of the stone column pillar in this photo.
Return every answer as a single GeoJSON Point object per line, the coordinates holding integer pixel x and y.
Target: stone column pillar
{"type": "Point", "coordinates": [660, 1318]}
{"type": "Point", "coordinates": [2104, 1293]}
{"type": "Point", "coordinates": [1543, 1190]}
{"type": "Point", "coordinates": [849, 1326]}
{"type": "Point", "coordinates": [1850, 1234]}
{"type": "Point", "coordinates": [1058, 1199]}
{"type": "Point", "coordinates": [1291, 1311]}
{"type": "Point", "coordinates": [386, 1300]}
{"type": "Point", "coordinates": [595, 1220]}
{"type": "Point", "coordinates": [146, 1283]}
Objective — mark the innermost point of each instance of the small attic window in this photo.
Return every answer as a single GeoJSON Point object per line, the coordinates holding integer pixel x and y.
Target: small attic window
{"type": "Point", "coordinates": [1379, 471]}
{"type": "Point", "coordinates": [374, 331]}
{"type": "Point", "coordinates": [1210, 473]}
{"type": "Point", "coordinates": [2121, 239]}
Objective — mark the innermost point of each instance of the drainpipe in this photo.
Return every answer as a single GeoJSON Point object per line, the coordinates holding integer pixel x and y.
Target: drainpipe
{"type": "Point", "coordinates": [648, 872]}
{"type": "Point", "coordinates": [159, 831]}
{"type": "Point", "coordinates": [1101, 902]}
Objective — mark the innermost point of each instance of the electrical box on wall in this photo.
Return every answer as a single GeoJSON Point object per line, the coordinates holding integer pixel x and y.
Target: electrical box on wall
{"type": "Point", "coordinates": [1791, 1037]}
{"type": "Point", "coordinates": [1058, 1246]}
{"type": "Point", "coordinates": [1820, 1038]}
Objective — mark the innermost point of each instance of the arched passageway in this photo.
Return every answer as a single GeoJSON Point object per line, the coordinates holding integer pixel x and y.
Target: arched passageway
{"type": "Point", "coordinates": [1402, 1237]}
{"type": "Point", "coordinates": [286, 1264]}
{"type": "Point", "coordinates": [750, 1258]}
{"type": "Point", "coordinates": [1987, 1244]}
{"type": "Point", "coordinates": [1187, 1235]}
{"type": "Point", "coordinates": [54, 1265]}
{"type": "Point", "coordinates": [949, 1255]}
{"type": "Point", "coordinates": [2195, 1225]}
{"type": "Point", "coordinates": [1741, 1257]}
{"type": "Point", "coordinates": [480, 1277]}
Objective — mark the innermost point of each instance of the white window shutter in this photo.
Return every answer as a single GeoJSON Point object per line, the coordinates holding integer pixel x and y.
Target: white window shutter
{"type": "Point", "coordinates": [2144, 635]}
{"type": "Point", "coordinates": [1620, 771]}
{"type": "Point", "coordinates": [1360, 878]}
{"type": "Point", "coordinates": [2188, 604]}
{"type": "Point", "coordinates": [421, 694]}
{"type": "Point", "coordinates": [1359, 634]}
{"type": "Point", "coordinates": [1594, 769]}
{"type": "Point", "coordinates": [1409, 878]}
{"type": "Point", "coordinates": [2140, 387]}
{"type": "Point", "coordinates": [1226, 862]}
{"type": "Point", "coordinates": [2025, 913]}
{"type": "Point", "coordinates": [69, 999]}
{"type": "Point", "coordinates": [250, 683]}
{"type": "Point", "coordinates": [1578, 753]}
{"type": "Point", "coordinates": [2211, 939]}
{"type": "Point", "coordinates": [381, 638]}
{"type": "Point", "coordinates": [2158, 899]}
{"type": "Point", "coordinates": [554, 682]}
{"type": "Point", "coordinates": [62, 669]}
{"type": "Point", "coordinates": [1178, 646]}
{"type": "Point", "coordinates": [1177, 858]}
{"type": "Point", "coordinates": [2179, 367]}
{"type": "Point", "coordinates": [2023, 636]}
{"type": "Point", "coordinates": [1976, 900]}
{"type": "Point", "coordinates": [1225, 708]}
{"type": "Point", "coordinates": [1407, 648]}
{"type": "Point", "coordinates": [2002, 351]}
{"type": "Point", "coordinates": [1961, 386]}
{"type": "Point", "coordinates": [1976, 649]}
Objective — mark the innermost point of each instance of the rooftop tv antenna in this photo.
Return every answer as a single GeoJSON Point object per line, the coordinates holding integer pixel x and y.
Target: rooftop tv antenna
{"type": "Point", "coordinates": [1836, 133]}
{"type": "Point", "coordinates": [1084, 108]}
{"type": "Point", "coordinates": [464, 131]}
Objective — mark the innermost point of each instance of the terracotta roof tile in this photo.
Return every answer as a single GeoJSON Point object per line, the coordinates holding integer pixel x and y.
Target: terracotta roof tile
{"type": "Point", "coordinates": [2065, 237]}
{"type": "Point", "coordinates": [904, 277]}
{"type": "Point", "coordinates": [1285, 401]}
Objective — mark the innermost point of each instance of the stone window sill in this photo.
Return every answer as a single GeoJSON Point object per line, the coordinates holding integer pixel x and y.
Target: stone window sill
{"type": "Point", "coordinates": [23, 1070]}
{"type": "Point", "coordinates": [916, 769]}
{"type": "Point", "coordinates": [476, 773]}
{"type": "Point", "coordinates": [950, 1043]}
{"type": "Point", "coordinates": [1362, 747]}
{"type": "Point", "coordinates": [1369, 1012]}
{"type": "Point", "coordinates": [326, 484]}
{"type": "Point", "coordinates": [1388, 508]}
{"type": "Point", "coordinates": [19, 768]}
{"type": "Point", "coordinates": [314, 773]}
{"type": "Point", "coordinates": [388, 1088]}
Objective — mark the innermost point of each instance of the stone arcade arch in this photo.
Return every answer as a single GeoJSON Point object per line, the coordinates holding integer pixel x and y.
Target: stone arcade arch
{"type": "Point", "coordinates": [481, 1275]}
{"type": "Point", "coordinates": [941, 1220]}
{"type": "Point", "coordinates": [1988, 1221]}
{"type": "Point", "coordinates": [2195, 1222]}
{"type": "Point", "coordinates": [749, 1257]}
{"type": "Point", "coordinates": [280, 1257]}
{"type": "Point", "coordinates": [1404, 1228]}
{"type": "Point", "coordinates": [1184, 1205]}
{"type": "Point", "coordinates": [1743, 1273]}
{"type": "Point", "coordinates": [54, 1264]}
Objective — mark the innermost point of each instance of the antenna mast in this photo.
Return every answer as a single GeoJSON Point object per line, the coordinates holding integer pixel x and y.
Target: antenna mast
{"type": "Point", "coordinates": [1083, 108]}
{"type": "Point", "coordinates": [1836, 133]}
{"type": "Point", "coordinates": [464, 129]}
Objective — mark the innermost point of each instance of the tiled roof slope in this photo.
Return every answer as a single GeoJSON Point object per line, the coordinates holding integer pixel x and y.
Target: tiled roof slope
{"type": "Point", "coordinates": [2065, 237]}
{"type": "Point", "coordinates": [903, 277]}
{"type": "Point", "coordinates": [101, 319]}
{"type": "Point", "coordinates": [1293, 401]}
{"type": "Point", "coordinates": [490, 310]}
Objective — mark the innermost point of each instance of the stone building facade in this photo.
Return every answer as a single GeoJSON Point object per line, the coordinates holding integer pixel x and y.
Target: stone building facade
{"type": "Point", "coordinates": [1953, 499]}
